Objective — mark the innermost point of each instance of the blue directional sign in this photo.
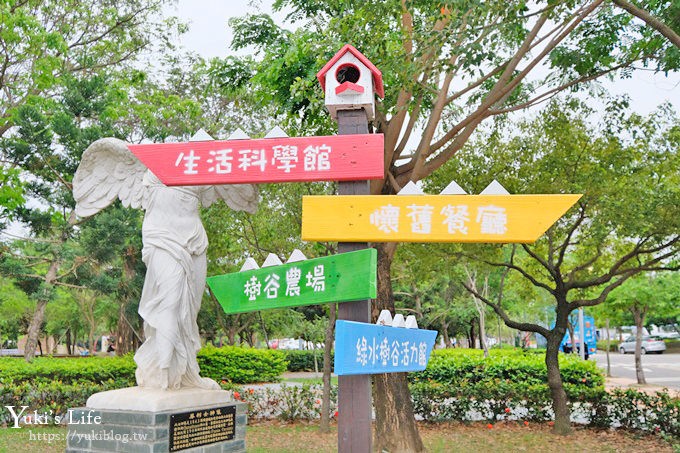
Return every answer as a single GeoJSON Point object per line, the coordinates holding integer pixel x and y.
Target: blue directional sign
{"type": "Point", "coordinates": [362, 348]}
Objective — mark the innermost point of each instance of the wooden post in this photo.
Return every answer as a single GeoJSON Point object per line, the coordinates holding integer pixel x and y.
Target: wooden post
{"type": "Point", "coordinates": [354, 392]}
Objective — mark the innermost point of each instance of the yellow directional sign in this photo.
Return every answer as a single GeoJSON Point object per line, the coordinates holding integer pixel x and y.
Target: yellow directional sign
{"type": "Point", "coordinates": [431, 218]}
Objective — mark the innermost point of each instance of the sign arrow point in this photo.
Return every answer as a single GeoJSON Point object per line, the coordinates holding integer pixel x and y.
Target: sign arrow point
{"type": "Point", "coordinates": [398, 321]}
{"type": "Point", "coordinates": [495, 188]}
{"type": "Point", "coordinates": [201, 136]}
{"type": "Point", "coordinates": [238, 134]}
{"type": "Point", "coordinates": [276, 132]}
{"type": "Point", "coordinates": [411, 189]}
{"type": "Point", "coordinates": [272, 260]}
{"type": "Point", "coordinates": [385, 318]}
{"type": "Point", "coordinates": [453, 189]}
{"type": "Point", "coordinates": [296, 256]}
{"type": "Point", "coordinates": [411, 322]}
{"type": "Point", "coordinates": [249, 265]}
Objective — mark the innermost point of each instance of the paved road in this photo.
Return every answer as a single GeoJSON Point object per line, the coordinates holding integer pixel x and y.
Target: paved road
{"type": "Point", "coordinates": [662, 370]}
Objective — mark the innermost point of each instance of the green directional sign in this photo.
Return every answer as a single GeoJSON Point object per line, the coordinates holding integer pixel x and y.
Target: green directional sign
{"type": "Point", "coordinates": [337, 278]}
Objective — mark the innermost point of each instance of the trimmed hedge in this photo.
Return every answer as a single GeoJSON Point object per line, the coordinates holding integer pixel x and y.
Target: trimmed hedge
{"type": "Point", "coordinates": [229, 363]}
{"type": "Point", "coordinates": [459, 382]}
{"type": "Point", "coordinates": [303, 359]}
{"type": "Point", "coordinates": [52, 385]}
{"type": "Point", "coordinates": [68, 371]}
{"type": "Point", "coordinates": [237, 365]}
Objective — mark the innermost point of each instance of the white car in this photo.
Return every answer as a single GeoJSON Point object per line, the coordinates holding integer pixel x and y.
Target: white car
{"type": "Point", "coordinates": [649, 344]}
{"type": "Point", "coordinates": [670, 335]}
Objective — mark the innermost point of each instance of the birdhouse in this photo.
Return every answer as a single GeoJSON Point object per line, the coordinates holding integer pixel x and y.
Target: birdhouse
{"type": "Point", "coordinates": [349, 81]}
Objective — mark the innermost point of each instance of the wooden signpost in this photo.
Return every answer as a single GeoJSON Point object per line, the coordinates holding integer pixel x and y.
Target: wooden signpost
{"type": "Point", "coordinates": [362, 348]}
{"type": "Point", "coordinates": [335, 278]}
{"type": "Point", "coordinates": [350, 81]}
{"type": "Point", "coordinates": [432, 218]}
{"type": "Point", "coordinates": [267, 160]}
{"type": "Point", "coordinates": [353, 218]}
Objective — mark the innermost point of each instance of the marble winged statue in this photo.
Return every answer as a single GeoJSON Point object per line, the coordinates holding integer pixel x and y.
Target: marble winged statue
{"type": "Point", "coordinates": [174, 251]}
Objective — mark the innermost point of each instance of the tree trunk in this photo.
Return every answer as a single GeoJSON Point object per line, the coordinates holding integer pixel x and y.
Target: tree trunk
{"type": "Point", "coordinates": [395, 424]}
{"type": "Point", "coordinates": [473, 337]}
{"type": "Point", "coordinates": [264, 329]}
{"type": "Point", "coordinates": [34, 330]}
{"type": "Point", "coordinates": [480, 307]}
{"type": "Point", "coordinates": [445, 335]}
{"type": "Point", "coordinates": [127, 338]}
{"type": "Point", "coordinates": [39, 315]}
{"type": "Point", "coordinates": [482, 333]}
{"type": "Point", "coordinates": [69, 345]}
{"type": "Point", "coordinates": [500, 338]}
{"type": "Point", "coordinates": [639, 317]}
{"type": "Point", "coordinates": [91, 341]}
{"type": "Point", "coordinates": [324, 427]}
{"type": "Point", "coordinates": [124, 333]}
{"type": "Point", "coordinates": [559, 396]}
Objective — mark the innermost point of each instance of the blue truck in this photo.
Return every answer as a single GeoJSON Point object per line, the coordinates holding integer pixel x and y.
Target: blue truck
{"type": "Point", "coordinates": [590, 335]}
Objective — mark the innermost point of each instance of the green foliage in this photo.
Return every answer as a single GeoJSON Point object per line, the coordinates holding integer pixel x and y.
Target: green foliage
{"type": "Point", "coordinates": [303, 359]}
{"type": "Point", "coordinates": [231, 364]}
{"type": "Point", "coordinates": [69, 371]}
{"type": "Point", "coordinates": [458, 381]}
{"type": "Point", "coordinates": [55, 384]}
{"type": "Point", "coordinates": [631, 409]}
{"type": "Point", "coordinates": [15, 311]}
{"type": "Point", "coordinates": [53, 398]}
{"type": "Point", "coordinates": [47, 41]}
{"type": "Point", "coordinates": [528, 366]}
{"type": "Point", "coordinates": [241, 365]}
{"type": "Point", "coordinates": [11, 192]}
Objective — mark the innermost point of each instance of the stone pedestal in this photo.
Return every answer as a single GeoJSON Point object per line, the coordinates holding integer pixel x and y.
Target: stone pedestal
{"type": "Point", "coordinates": [140, 420]}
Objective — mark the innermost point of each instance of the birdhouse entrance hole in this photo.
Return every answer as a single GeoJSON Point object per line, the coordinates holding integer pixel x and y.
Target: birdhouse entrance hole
{"type": "Point", "coordinates": [347, 73]}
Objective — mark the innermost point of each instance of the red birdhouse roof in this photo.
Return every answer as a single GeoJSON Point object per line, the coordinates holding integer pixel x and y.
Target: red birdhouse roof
{"type": "Point", "coordinates": [377, 75]}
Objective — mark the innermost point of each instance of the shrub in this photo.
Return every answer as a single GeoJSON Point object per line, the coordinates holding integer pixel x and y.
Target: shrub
{"type": "Point", "coordinates": [229, 363]}
{"type": "Point", "coordinates": [287, 402]}
{"type": "Point", "coordinates": [460, 384]}
{"type": "Point", "coordinates": [241, 365]}
{"type": "Point", "coordinates": [72, 370]}
{"type": "Point", "coordinates": [52, 385]}
{"type": "Point", "coordinates": [51, 398]}
{"type": "Point", "coordinates": [637, 411]}
{"type": "Point", "coordinates": [303, 359]}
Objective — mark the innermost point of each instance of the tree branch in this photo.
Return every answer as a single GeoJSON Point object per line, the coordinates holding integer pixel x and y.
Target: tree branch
{"type": "Point", "coordinates": [523, 326]}
{"type": "Point", "coordinates": [650, 20]}
{"type": "Point", "coordinates": [567, 241]}
{"type": "Point", "coordinates": [524, 273]}
{"type": "Point", "coordinates": [616, 269]}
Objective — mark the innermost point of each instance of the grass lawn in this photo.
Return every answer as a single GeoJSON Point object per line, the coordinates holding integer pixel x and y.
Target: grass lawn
{"type": "Point", "coordinates": [278, 437]}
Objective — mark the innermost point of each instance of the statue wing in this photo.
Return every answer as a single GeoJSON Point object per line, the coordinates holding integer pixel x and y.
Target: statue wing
{"type": "Point", "coordinates": [239, 197]}
{"type": "Point", "coordinates": [108, 170]}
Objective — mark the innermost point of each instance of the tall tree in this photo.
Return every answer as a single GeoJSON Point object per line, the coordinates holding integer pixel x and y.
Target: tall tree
{"type": "Point", "coordinates": [640, 297]}
{"type": "Point", "coordinates": [57, 92]}
{"type": "Point", "coordinates": [447, 67]}
{"type": "Point", "coordinates": [625, 224]}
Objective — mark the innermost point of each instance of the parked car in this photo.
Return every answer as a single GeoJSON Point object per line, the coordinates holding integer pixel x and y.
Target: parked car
{"type": "Point", "coordinates": [669, 335]}
{"type": "Point", "coordinates": [649, 344]}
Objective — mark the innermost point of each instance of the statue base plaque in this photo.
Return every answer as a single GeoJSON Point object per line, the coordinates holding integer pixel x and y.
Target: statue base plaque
{"type": "Point", "coordinates": [146, 420]}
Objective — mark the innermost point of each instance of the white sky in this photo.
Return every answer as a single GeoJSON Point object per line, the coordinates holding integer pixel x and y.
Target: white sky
{"type": "Point", "coordinates": [209, 35]}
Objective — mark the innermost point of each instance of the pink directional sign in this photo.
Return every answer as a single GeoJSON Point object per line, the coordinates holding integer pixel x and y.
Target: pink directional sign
{"type": "Point", "coordinates": [294, 159]}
